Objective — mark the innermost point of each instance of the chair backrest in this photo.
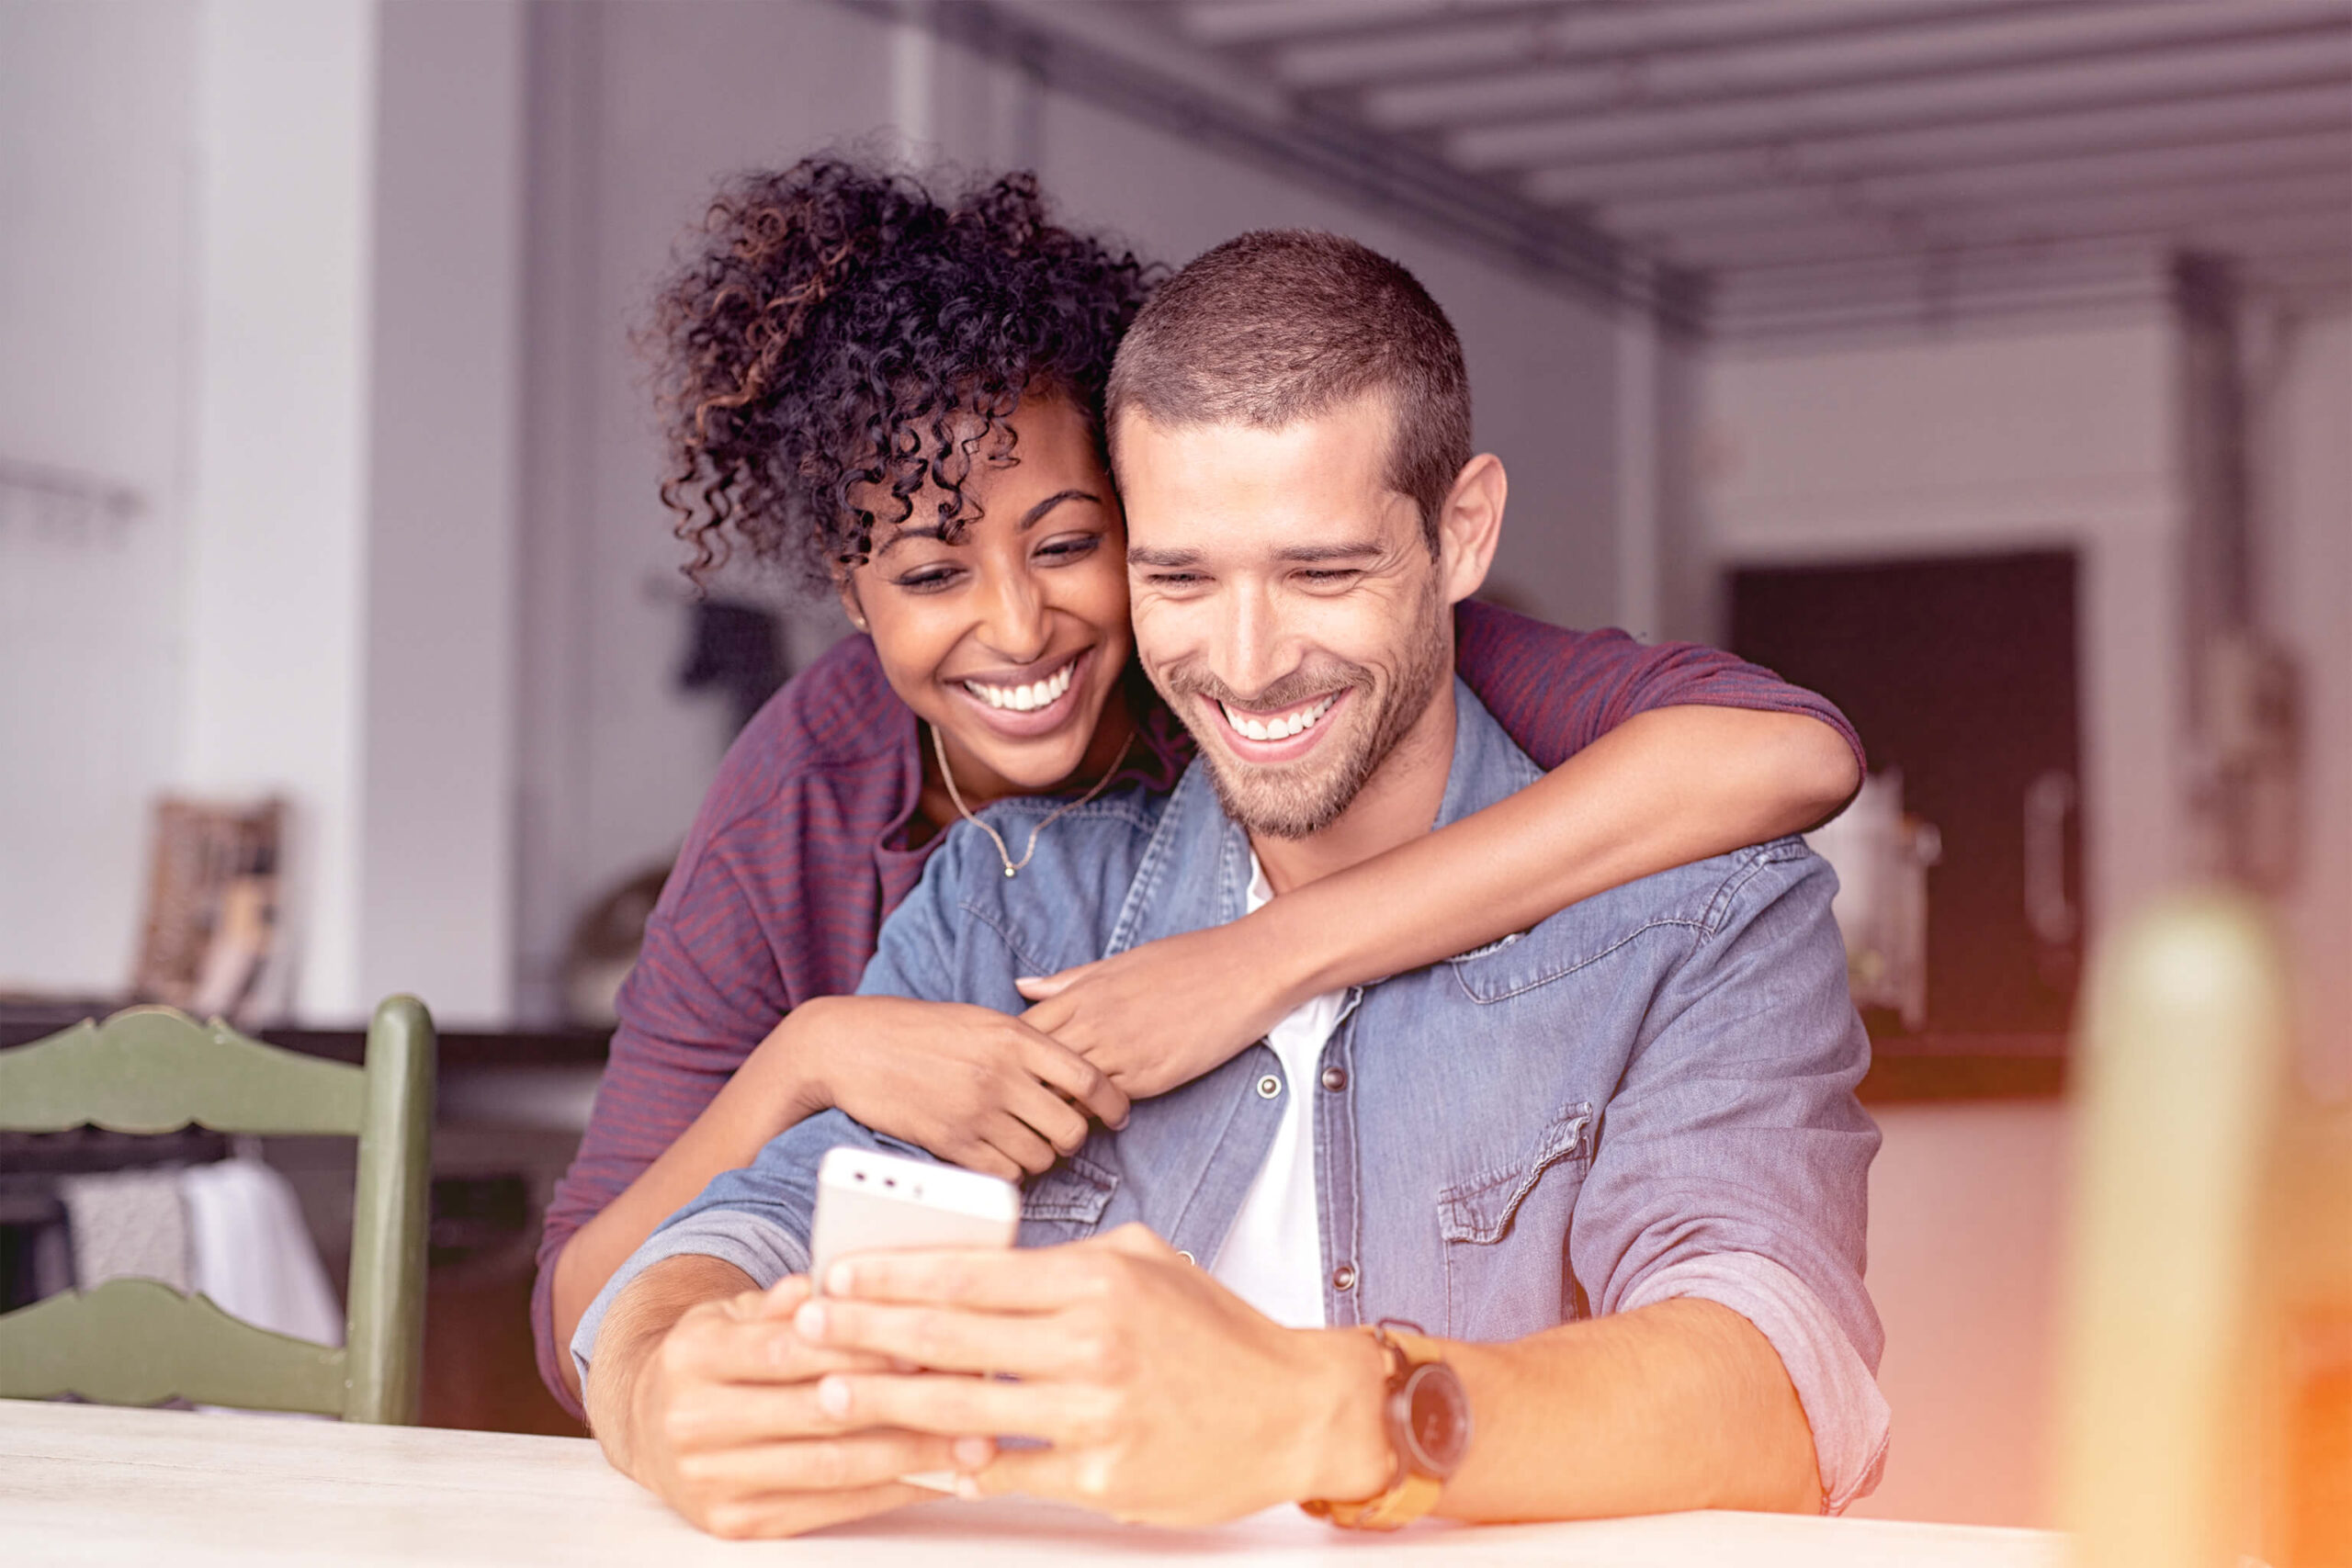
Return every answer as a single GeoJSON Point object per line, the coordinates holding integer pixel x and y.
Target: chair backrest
{"type": "Point", "coordinates": [140, 1342]}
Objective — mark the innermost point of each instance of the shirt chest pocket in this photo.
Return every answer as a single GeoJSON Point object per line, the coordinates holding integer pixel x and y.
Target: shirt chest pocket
{"type": "Point", "coordinates": [1067, 1203]}
{"type": "Point", "coordinates": [1504, 1235]}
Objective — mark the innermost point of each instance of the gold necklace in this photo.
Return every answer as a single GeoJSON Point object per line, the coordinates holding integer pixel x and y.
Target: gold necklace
{"type": "Point", "coordinates": [1003, 850]}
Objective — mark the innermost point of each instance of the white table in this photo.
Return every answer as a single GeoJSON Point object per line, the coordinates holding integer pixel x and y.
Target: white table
{"type": "Point", "coordinates": [83, 1484]}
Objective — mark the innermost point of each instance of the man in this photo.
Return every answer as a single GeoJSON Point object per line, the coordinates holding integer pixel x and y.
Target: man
{"type": "Point", "coordinates": [1611, 1170]}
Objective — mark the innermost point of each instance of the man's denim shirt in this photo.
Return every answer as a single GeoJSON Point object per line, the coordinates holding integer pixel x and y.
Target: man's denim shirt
{"type": "Point", "coordinates": [1649, 1095]}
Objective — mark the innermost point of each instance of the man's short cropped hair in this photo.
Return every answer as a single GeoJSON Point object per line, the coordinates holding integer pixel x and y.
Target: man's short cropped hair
{"type": "Point", "coordinates": [1284, 324]}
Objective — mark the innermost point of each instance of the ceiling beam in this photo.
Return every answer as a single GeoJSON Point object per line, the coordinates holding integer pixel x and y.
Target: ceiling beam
{"type": "Point", "coordinates": [2172, 168]}
{"type": "Point", "coordinates": [1232, 22]}
{"type": "Point", "coordinates": [2256, 226]}
{"type": "Point", "coordinates": [1800, 235]}
{"type": "Point", "coordinates": [1876, 63]}
{"type": "Point", "coordinates": [2268, 65]}
{"type": "Point", "coordinates": [1570, 35]}
{"type": "Point", "coordinates": [1871, 154]}
{"type": "Point", "coordinates": [2080, 265]}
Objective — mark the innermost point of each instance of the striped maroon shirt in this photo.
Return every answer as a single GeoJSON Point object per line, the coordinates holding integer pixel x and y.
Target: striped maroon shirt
{"type": "Point", "coordinates": [799, 852]}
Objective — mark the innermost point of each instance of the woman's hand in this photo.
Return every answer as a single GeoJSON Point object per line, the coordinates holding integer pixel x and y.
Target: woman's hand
{"type": "Point", "coordinates": [974, 1086]}
{"type": "Point", "coordinates": [1162, 1014]}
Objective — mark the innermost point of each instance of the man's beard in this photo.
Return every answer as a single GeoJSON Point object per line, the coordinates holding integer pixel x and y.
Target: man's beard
{"type": "Point", "coordinates": [1300, 799]}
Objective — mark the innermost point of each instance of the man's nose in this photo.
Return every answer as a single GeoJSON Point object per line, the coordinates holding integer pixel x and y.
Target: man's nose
{"type": "Point", "coordinates": [1013, 617]}
{"type": "Point", "coordinates": [1253, 656]}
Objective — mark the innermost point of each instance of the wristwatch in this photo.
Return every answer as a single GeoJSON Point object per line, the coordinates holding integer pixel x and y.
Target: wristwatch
{"type": "Point", "coordinates": [1426, 1413]}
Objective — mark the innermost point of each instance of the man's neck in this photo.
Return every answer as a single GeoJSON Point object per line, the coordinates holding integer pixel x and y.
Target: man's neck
{"type": "Point", "coordinates": [1395, 806]}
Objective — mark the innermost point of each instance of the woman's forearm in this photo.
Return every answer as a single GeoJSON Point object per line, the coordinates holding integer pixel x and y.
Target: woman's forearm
{"type": "Point", "coordinates": [1665, 788]}
{"type": "Point", "coordinates": [769, 1092]}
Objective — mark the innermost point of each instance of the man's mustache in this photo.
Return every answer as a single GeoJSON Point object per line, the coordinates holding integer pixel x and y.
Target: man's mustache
{"type": "Point", "coordinates": [1301, 685]}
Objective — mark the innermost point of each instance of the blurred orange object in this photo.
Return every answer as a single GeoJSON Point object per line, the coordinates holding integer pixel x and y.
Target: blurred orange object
{"type": "Point", "coordinates": [2207, 1394]}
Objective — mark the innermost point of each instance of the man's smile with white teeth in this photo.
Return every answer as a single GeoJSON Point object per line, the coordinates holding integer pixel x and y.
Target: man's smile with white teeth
{"type": "Point", "coordinates": [1028, 698]}
{"type": "Point", "coordinates": [1283, 726]}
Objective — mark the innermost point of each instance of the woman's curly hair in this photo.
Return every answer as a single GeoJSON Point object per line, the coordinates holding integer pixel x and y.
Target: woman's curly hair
{"type": "Point", "coordinates": [837, 329]}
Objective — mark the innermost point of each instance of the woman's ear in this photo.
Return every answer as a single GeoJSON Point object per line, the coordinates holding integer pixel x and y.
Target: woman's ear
{"type": "Point", "coordinates": [1471, 524]}
{"type": "Point", "coordinates": [846, 586]}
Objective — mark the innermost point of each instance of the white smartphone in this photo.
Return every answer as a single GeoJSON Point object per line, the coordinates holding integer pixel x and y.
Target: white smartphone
{"type": "Point", "coordinates": [870, 1203]}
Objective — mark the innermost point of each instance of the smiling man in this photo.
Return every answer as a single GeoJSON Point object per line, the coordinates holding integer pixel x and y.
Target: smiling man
{"type": "Point", "coordinates": [1568, 1225]}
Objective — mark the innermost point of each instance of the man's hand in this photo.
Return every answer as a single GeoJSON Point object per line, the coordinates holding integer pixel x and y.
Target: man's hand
{"type": "Point", "coordinates": [1165, 1397]}
{"type": "Point", "coordinates": [719, 1416]}
{"type": "Point", "coordinates": [1160, 1015]}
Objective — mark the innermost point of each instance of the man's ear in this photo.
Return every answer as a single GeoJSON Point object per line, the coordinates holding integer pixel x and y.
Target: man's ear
{"type": "Point", "coordinates": [1471, 524]}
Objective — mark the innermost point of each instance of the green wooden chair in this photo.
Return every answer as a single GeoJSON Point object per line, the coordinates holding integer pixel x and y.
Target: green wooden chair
{"type": "Point", "coordinates": [140, 1342]}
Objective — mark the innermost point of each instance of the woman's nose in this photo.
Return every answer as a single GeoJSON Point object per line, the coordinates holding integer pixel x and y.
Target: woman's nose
{"type": "Point", "coordinates": [1014, 623]}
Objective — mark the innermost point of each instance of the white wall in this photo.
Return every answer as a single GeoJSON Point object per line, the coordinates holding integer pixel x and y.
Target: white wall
{"type": "Point", "coordinates": [615, 761]}
{"type": "Point", "coordinates": [437, 730]}
{"type": "Point", "coordinates": [97, 150]}
{"type": "Point", "coordinates": [1965, 1254]}
{"type": "Point", "coordinates": [294, 331]}
{"type": "Point", "coordinates": [275, 592]}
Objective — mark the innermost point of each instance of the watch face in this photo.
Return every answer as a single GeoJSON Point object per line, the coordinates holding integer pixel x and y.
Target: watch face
{"type": "Point", "coordinates": [1437, 1420]}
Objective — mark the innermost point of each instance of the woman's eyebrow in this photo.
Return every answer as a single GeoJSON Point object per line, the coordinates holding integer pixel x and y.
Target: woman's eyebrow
{"type": "Point", "coordinates": [936, 531]}
{"type": "Point", "coordinates": [1028, 520]}
{"type": "Point", "coordinates": [1029, 517]}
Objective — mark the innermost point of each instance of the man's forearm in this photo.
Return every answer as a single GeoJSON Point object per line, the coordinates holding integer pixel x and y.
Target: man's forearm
{"type": "Point", "coordinates": [632, 1332]}
{"type": "Point", "coordinates": [773, 1089]}
{"type": "Point", "coordinates": [1683, 1405]}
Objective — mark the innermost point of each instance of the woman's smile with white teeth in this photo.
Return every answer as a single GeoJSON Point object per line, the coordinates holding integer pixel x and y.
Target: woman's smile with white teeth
{"type": "Point", "coordinates": [1283, 727]}
{"type": "Point", "coordinates": [1028, 698]}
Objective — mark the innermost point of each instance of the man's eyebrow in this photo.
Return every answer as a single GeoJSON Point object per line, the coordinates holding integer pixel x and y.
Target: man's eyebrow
{"type": "Point", "coordinates": [1357, 551]}
{"type": "Point", "coordinates": [1138, 554]}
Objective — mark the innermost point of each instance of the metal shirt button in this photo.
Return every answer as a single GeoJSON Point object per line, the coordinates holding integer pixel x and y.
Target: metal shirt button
{"type": "Point", "coordinates": [1343, 1278]}
{"type": "Point", "coordinates": [1334, 1079]}
{"type": "Point", "coordinates": [1269, 1087]}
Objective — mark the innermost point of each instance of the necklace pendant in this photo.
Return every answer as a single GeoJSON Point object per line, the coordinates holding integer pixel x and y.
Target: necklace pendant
{"type": "Point", "coordinates": [1010, 873]}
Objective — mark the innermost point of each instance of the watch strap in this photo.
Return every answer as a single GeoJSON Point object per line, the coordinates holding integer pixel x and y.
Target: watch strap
{"type": "Point", "coordinates": [1409, 1495]}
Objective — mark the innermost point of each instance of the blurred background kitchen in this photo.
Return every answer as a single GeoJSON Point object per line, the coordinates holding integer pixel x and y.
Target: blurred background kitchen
{"type": "Point", "coordinates": [1984, 364]}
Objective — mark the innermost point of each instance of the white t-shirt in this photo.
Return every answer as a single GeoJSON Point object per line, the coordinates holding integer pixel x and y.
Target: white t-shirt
{"type": "Point", "coordinates": [1273, 1257]}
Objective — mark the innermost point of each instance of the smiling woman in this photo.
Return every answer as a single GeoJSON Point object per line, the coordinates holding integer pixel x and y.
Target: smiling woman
{"type": "Point", "coordinates": [1008, 633]}
{"type": "Point", "coordinates": [901, 394]}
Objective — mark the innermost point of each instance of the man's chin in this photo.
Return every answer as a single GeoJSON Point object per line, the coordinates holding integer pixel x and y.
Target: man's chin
{"type": "Point", "coordinates": [1284, 803]}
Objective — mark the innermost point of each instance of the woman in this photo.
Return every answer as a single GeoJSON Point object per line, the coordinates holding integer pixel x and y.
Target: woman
{"type": "Point", "coordinates": [903, 394]}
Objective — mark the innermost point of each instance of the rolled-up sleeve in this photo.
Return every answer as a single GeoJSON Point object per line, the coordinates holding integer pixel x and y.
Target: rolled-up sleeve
{"type": "Point", "coordinates": [1841, 1399]}
{"type": "Point", "coordinates": [761, 1248]}
{"type": "Point", "coordinates": [1733, 1162]}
